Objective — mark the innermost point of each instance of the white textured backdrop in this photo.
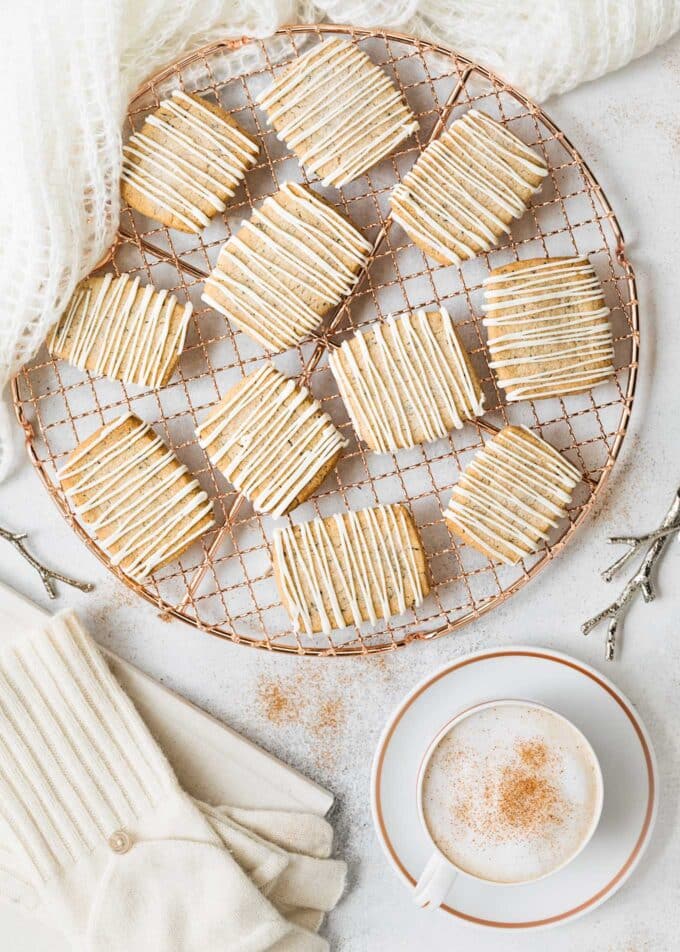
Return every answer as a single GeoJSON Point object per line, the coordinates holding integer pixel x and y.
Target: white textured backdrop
{"type": "Point", "coordinates": [325, 717]}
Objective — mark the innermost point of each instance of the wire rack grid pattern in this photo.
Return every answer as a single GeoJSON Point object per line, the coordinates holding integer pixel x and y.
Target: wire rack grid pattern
{"type": "Point", "coordinates": [224, 584]}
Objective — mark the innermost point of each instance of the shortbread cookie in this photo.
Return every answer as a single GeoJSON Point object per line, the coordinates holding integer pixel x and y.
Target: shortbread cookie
{"type": "Point", "coordinates": [549, 330]}
{"type": "Point", "coordinates": [515, 489]}
{"type": "Point", "coordinates": [350, 568]}
{"type": "Point", "coordinates": [116, 327]}
{"type": "Point", "coordinates": [337, 111]}
{"type": "Point", "coordinates": [139, 501]}
{"type": "Point", "coordinates": [285, 268]}
{"type": "Point", "coordinates": [407, 381]}
{"type": "Point", "coordinates": [271, 440]}
{"type": "Point", "coordinates": [465, 189]}
{"type": "Point", "coordinates": [185, 163]}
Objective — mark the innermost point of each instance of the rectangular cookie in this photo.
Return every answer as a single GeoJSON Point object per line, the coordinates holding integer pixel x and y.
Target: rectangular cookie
{"type": "Point", "coordinates": [548, 327]}
{"type": "Point", "coordinates": [407, 381]}
{"type": "Point", "coordinates": [185, 162]}
{"type": "Point", "coordinates": [285, 268]}
{"type": "Point", "coordinates": [141, 504]}
{"type": "Point", "coordinates": [118, 328]}
{"type": "Point", "coordinates": [515, 489]}
{"type": "Point", "coordinates": [271, 440]}
{"type": "Point", "coordinates": [350, 568]}
{"type": "Point", "coordinates": [465, 188]}
{"type": "Point", "coordinates": [337, 111]}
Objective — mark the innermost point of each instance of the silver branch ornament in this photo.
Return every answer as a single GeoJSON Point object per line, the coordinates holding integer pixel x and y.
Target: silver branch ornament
{"type": "Point", "coordinates": [47, 576]}
{"type": "Point", "coordinates": [656, 543]}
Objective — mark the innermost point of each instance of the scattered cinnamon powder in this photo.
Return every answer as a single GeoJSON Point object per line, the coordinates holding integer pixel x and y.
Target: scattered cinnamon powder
{"type": "Point", "coordinates": [533, 753]}
{"type": "Point", "coordinates": [521, 799]}
{"type": "Point", "coordinates": [329, 715]}
{"type": "Point", "coordinates": [310, 700]}
{"type": "Point", "coordinates": [463, 813]}
{"type": "Point", "coordinates": [278, 706]}
{"type": "Point", "coordinates": [528, 801]}
{"type": "Point", "coordinates": [524, 797]}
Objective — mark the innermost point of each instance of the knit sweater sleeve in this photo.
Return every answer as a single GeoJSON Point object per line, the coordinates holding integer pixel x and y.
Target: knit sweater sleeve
{"type": "Point", "coordinates": [76, 761]}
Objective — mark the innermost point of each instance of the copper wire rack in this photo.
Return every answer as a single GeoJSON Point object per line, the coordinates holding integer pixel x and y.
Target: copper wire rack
{"type": "Point", "coordinates": [224, 584]}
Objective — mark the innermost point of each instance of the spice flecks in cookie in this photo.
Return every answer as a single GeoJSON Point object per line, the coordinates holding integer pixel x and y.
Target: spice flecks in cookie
{"type": "Point", "coordinates": [548, 326]}
{"type": "Point", "coordinates": [513, 491]}
{"type": "Point", "coordinates": [116, 327]}
{"type": "Point", "coordinates": [466, 188]}
{"type": "Point", "coordinates": [350, 568]}
{"type": "Point", "coordinates": [139, 501]}
{"type": "Point", "coordinates": [407, 381]}
{"type": "Point", "coordinates": [286, 267]}
{"type": "Point", "coordinates": [272, 440]}
{"type": "Point", "coordinates": [337, 111]}
{"type": "Point", "coordinates": [185, 162]}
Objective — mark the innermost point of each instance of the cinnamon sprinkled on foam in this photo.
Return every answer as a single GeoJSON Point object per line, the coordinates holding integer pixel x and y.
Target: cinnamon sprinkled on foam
{"type": "Point", "coordinates": [509, 796]}
{"type": "Point", "coordinates": [533, 753]}
{"type": "Point", "coordinates": [525, 799]}
{"type": "Point", "coordinates": [522, 799]}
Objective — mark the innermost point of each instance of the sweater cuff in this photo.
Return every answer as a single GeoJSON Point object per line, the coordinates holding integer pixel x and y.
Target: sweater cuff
{"type": "Point", "coordinates": [77, 762]}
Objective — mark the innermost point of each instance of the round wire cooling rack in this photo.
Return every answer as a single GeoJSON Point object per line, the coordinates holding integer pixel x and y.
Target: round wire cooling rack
{"type": "Point", "coordinates": [224, 583]}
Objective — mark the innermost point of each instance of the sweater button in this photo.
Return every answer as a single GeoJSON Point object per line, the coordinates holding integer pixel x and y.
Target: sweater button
{"type": "Point", "coordinates": [120, 841]}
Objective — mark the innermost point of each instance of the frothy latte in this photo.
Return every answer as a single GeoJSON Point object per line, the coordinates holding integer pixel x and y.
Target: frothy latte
{"type": "Point", "coordinates": [511, 793]}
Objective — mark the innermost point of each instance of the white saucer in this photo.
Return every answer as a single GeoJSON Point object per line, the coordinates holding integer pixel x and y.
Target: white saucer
{"type": "Point", "coordinates": [607, 719]}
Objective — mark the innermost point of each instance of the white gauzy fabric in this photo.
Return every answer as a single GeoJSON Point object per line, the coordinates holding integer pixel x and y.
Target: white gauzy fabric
{"type": "Point", "coordinates": [93, 822]}
{"type": "Point", "coordinates": [544, 47]}
{"type": "Point", "coordinates": [68, 68]}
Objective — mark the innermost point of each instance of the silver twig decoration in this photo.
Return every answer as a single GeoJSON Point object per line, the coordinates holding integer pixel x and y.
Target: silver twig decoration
{"type": "Point", "coordinates": [642, 580]}
{"type": "Point", "coordinates": [47, 576]}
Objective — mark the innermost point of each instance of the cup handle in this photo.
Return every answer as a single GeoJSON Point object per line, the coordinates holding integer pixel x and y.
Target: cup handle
{"type": "Point", "coordinates": [435, 882]}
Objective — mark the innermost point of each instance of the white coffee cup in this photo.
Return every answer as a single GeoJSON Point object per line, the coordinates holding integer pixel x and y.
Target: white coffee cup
{"type": "Point", "coordinates": [440, 871]}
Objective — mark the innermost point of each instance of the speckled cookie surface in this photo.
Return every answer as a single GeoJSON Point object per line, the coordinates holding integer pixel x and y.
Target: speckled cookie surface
{"type": "Point", "coordinates": [337, 111]}
{"type": "Point", "coordinates": [407, 381]}
{"type": "Point", "coordinates": [466, 188]}
{"type": "Point", "coordinates": [271, 440]}
{"type": "Point", "coordinates": [186, 162]}
{"type": "Point", "coordinates": [119, 328]}
{"type": "Point", "coordinates": [286, 267]}
{"type": "Point", "coordinates": [350, 568]}
{"type": "Point", "coordinates": [137, 499]}
{"type": "Point", "coordinates": [514, 490]}
{"type": "Point", "coordinates": [548, 327]}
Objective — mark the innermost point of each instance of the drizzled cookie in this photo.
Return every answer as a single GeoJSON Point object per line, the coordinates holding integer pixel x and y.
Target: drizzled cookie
{"type": "Point", "coordinates": [548, 326]}
{"type": "Point", "coordinates": [515, 489]}
{"type": "Point", "coordinates": [286, 267]}
{"type": "Point", "coordinates": [138, 500]}
{"type": "Point", "coordinates": [119, 328]}
{"type": "Point", "coordinates": [271, 440]}
{"type": "Point", "coordinates": [407, 381]}
{"type": "Point", "coordinates": [185, 162]}
{"type": "Point", "coordinates": [350, 568]}
{"type": "Point", "coordinates": [465, 189]}
{"type": "Point", "coordinates": [337, 111]}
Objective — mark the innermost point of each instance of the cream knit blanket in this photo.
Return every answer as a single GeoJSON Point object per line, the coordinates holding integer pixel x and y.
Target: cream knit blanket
{"type": "Point", "coordinates": [68, 68]}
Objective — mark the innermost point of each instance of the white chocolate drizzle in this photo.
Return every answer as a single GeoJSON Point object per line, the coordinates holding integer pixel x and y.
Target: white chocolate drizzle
{"type": "Point", "coordinates": [301, 267]}
{"type": "Point", "coordinates": [402, 384]}
{"type": "Point", "coordinates": [514, 489]}
{"type": "Point", "coordinates": [557, 323]}
{"type": "Point", "coordinates": [337, 111]}
{"type": "Point", "coordinates": [112, 330]}
{"type": "Point", "coordinates": [133, 496]}
{"type": "Point", "coordinates": [466, 187]}
{"type": "Point", "coordinates": [373, 569]}
{"type": "Point", "coordinates": [202, 158]}
{"type": "Point", "coordinates": [283, 439]}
